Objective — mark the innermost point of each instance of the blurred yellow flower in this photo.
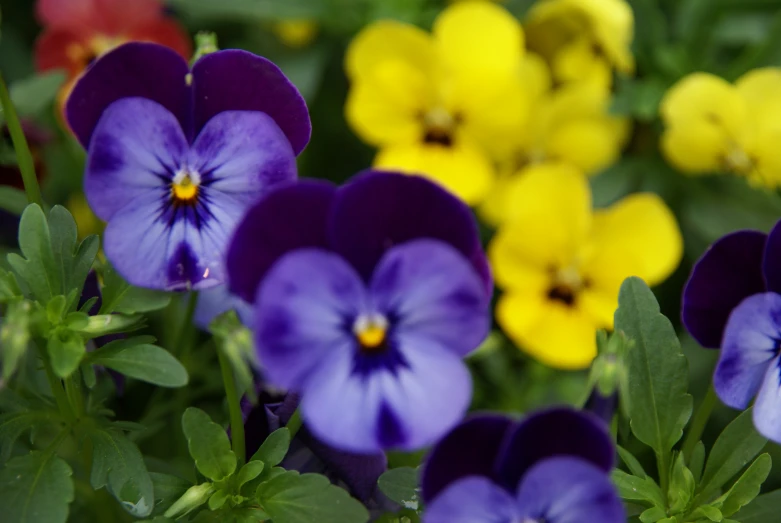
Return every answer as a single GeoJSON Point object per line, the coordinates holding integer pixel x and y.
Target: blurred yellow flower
{"type": "Point", "coordinates": [561, 263]}
{"type": "Point", "coordinates": [295, 33]}
{"type": "Point", "coordinates": [712, 125]}
{"type": "Point", "coordinates": [440, 104]}
{"type": "Point", "coordinates": [86, 221]}
{"type": "Point", "coordinates": [583, 40]}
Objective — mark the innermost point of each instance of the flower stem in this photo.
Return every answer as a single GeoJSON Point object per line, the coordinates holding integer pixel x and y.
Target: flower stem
{"type": "Point", "coordinates": [234, 408]}
{"type": "Point", "coordinates": [60, 396]}
{"type": "Point", "coordinates": [294, 423]}
{"type": "Point", "coordinates": [182, 346]}
{"type": "Point", "coordinates": [699, 422]}
{"type": "Point", "coordinates": [23, 155]}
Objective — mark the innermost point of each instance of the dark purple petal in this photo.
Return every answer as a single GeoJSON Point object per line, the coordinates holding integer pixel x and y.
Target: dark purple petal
{"type": "Point", "coordinates": [473, 499]}
{"type": "Point", "coordinates": [554, 432]}
{"type": "Point", "coordinates": [288, 218]}
{"type": "Point", "coordinates": [729, 271]}
{"type": "Point", "coordinates": [751, 341]}
{"type": "Point", "coordinates": [378, 210]}
{"type": "Point", "coordinates": [471, 449]}
{"type": "Point", "coordinates": [568, 490]}
{"type": "Point", "coordinates": [238, 80]}
{"type": "Point", "coordinates": [771, 262]}
{"type": "Point", "coordinates": [134, 69]}
{"type": "Point", "coordinates": [603, 407]}
{"type": "Point", "coordinates": [433, 294]}
{"type": "Point", "coordinates": [136, 148]}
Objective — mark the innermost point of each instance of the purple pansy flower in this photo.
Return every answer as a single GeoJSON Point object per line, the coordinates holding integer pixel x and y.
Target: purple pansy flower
{"type": "Point", "coordinates": [733, 300]}
{"type": "Point", "coordinates": [552, 467]}
{"type": "Point", "coordinates": [176, 155]}
{"type": "Point", "coordinates": [366, 299]}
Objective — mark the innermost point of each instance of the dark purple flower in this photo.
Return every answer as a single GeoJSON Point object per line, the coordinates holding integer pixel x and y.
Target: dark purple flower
{"type": "Point", "coordinates": [553, 467]}
{"type": "Point", "coordinates": [358, 472]}
{"type": "Point", "coordinates": [176, 155]}
{"type": "Point", "coordinates": [366, 299]}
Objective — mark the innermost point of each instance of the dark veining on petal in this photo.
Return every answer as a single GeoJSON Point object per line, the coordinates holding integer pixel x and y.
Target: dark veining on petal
{"type": "Point", "coordinates": [106, 154]}
{"type": "Point", "coordinates": [390, 432]}
{"type": "Point", "coordinates": [183, 267]}
{"type": "Point", "coordinates": [387, 357]}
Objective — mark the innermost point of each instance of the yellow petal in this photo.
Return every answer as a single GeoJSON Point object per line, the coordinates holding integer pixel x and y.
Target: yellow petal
{"type": "Point", "coordinates": [557, 335]}
{"type": "Point", "coordinates": [760, 84]}
{"type": "Point", "coordinates": [536, 75]}
{"type": "Point", "coordinates": [389, 41]}
{"type": "Point", "coordinates": [479, 38]}
{"type": "Point", "coordinates": [703, 97]}
{"type": "Point", "coordinates": [695, 147]}
{"type": "Point", "coordinates": [578, 62]}
{"type": "Point", "coordinates": [590, 144]}
{"type": "Point", "coordinates": [637, 236]}
{"type": "Point", "coordinates": [462, 168]}
{"type": "Point", "coordinates": [547, 221]}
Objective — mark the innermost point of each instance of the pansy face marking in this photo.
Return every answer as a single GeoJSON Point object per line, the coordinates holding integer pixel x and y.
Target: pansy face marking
{"type": "Point", "coordinates": [184, 187]}
{"type": "Point", "coordinates": [371, 332]}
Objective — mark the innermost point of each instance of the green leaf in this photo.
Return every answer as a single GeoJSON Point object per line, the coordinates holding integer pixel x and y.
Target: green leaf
{"type": "Point", "coordinates": [633, 488]}
{"type": "Point", "coordinates": [736, 446]}
{"type": "Point", "coordinates": [66, 349]}
{"type": "Point", "coordinates": [747, 487]}
{"type": "Point", "coordinates": [12, 200]}
{"type": "Point", "coordinates": [37, 269]}
{"type": "Point", "coordinates": [14, 337]}
{"type": "Point", "coordinates": [14, 424]}
{"type": "Point", "coordinates": [103, 324]}
{"type": "Point", "coordinates": [144, 362]}
{"type": "Point", "coordinates": [74, 260]}
{"type": "Point", "coordinates": [209, 445]}
{"type": "Point", "coordinates": [193, 498]}
{"type": "Point", "coordinates": [294, 498]}
{"type": "Point", "coordinates": [681, 489]}
{"type": "Point", "coordinates": [9, 287]}
{"type": "Point", "coordinates": [401, 485]}
{"type": "Point", "coordinates": [631, 462]}
{"type": "Point", "coordinates": [119, 296]}
{"type": "Point", "coordinates": [273, 450]}
{"type": "Point", "coordinates": [218, 499]}
{"type": "Point", "coordinates": [697, 461]}
{"type": "Point", "coordinates": [167, 489]}
{"type": "Point", "coordinates": [35, 94]}
{"type": "Point", "coordinates": [764, 509]}
{"type": "Point", "coordinates": [658, 371]}
{"type": "Point", "coordinates": [118, 465]}
{"type": "Point", "coordinates": [249, 472]}
{"type": "Point", "coordinates": [654, 515]}
{"type": "Point", "coordinates": [36, 488]}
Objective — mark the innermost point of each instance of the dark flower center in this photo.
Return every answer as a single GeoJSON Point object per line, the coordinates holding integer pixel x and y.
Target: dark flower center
{"type": "Point", "coordinates": [438, 136]}
{"type": "Point", "coordinates": [562, 293]}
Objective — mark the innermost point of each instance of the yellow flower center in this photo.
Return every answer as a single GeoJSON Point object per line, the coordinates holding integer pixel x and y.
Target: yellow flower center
{"type": "Point", "coordinates": [184, 188]}
{"type": "Point", "coordinates": [371, 332]}
{"type": "Point", "coordinates": [566, 284]}
{"type": "Point", "coordinates": [737, 161]}
{"type": "Point", "coordinates": [440, 126]}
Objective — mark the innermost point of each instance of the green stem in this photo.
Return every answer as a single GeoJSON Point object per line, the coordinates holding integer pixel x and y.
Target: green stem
{"type": "Point", "coordinates": [234, 408]}
{"type": "Point", "coordinates": [182, 346]}
{"type": "Point", "coordinates": [663, 467]}
{"type": "Point", "coordinates": [75, 397]}
{"type": "Point", "coordinates": [23, 155]}
{"type": "Point", "coordinates": [294, 423]}
{"type": "Point", "coordinates": [55, 384]}
{"type": "Point", "coordinates": [699, 422]}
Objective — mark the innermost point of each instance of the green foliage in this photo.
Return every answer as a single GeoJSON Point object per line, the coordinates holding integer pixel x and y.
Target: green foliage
{"type": "Point", "coordinates": [14, 337]}
{"type": "Point", "coordinates": [401, 485]}
{"type": "Point", "coordinates": [36, 488]}
{"type": "Point", "coordinates": [66, 349]}
{"type": "Point", "coordinates": [136, 358]}
{"type": "Point", "coordinates": [167, 489]}
{"type": "Point", "coordinates": [121, 297]}
{"type": "Point", "coordinates": [32, 96]}
{"type": "Point", "coordinates": [273, 450]}
{"type": "Point", "coordinates": [209, 445]}
{"type": "Point", "coordinates": [764, 509]}
{"type": "Point", "coordinates": [14, 424]}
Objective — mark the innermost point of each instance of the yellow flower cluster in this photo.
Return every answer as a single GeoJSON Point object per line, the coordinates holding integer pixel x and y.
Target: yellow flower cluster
{"type": "Point", "coordinates": [512, 120]}
{"type": "Point", "coordinates": [714, 126]}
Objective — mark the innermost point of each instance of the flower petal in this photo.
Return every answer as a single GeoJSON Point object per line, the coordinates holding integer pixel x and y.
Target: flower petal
{"type": "Point", "coordinates": [404, 406]}
{"type": "Point", "coordinates": [767, 408]}
{"type": "Point", "coordinates": [448, 462]}
{"type": "Point", "coordinates": [378, 210]}
{"type": "Point", "coordinates": [134, 69]}
{"type": "Point", "coordinates": [51, 51]}
{"type": "Point", "coordinates": [167, 32]}
{"type": "Point", "coordinates": [472, 500]}
{"type": "Point", "coordinates": [554, 432]}
{"type": "Point", "coordinates": [234, 79]}
{"type": "Point", "coordinates": [78, 15]}
{"type": "Point", "coordinates": [136, 148]}
{"type": "Point", "coordinates": [771, 260]}
{"type": "Point", "coordinates": [389, 42]}
{"type": "Point", "coordinates": [243, 154]}
{"type": "Point", "coordinates": [727, 273]}
{"type": "Point", "coordinates": [750, 344]}
{"type": "Point", "coordinates": [288, 218]}
{"type": "Point", "coordinates": [435, 294]}
{"type": "Point", "coordinates": [217, 300]}
{"type": "Point", "coordinates": [569, 490]}
{"type": "Point", "coordinates": [303, 314]}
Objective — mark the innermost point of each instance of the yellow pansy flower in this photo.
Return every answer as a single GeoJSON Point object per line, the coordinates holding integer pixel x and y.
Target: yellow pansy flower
{"type": "Point", "coordinates": [440, 104]}
{"type": "Point", "coordinates": [561, 263]}
{"type": "Point", "coordinates": [712, 125]}
{"type": "Point", "coordinates": [583, 40]}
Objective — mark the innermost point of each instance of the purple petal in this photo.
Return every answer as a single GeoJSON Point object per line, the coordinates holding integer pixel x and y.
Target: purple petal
{"type": "Point", "coordinates": [448, 461]}
{"type": "Point", "coordinates": [435, 294]}
{"type": "Point", "coordinates": [288, 218]}
{"type": "Point", "coordinates": [300, 316]}
{"type": "Point", "coordinates": [767, 408]}
{"type": "Point", "coordinates": [750, 343]}
{"type": "Point", "coordinates": [554, 432]}
{"type": "Point", "coordinates": [234, 80]}
{"type": "Point", "coordinates": [378, 210]}
{"type": "Point", "coordinates": [217, 300]}
{"type": "Point", "coordinates": [407, 406]}
{"type": "Point", "coordinates": [729, 271]}
{"type": "Point", "coordinates": [771, 263]}
{"type": "Point", "coordinates": [473, 500]}
{"type": "Point", "coordinates": [136, 148]}
{"type": "Point", "coordinates": [243, 154]}
{"type": "Point", "coordinates": [569, 490]}
{"type": "Point", "coordinates": [135, 69]}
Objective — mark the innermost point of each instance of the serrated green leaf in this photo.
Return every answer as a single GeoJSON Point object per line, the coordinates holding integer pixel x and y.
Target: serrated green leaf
{"type": "Point", "coordinates": [764, 509]}
{"type": "Point", "coordinates": [9, 287]}
{"type": "Point", "coordinates": [119, 296]}
{"type": "Point", "coordinates": [31, 96]}
{"type": "Point", "coordinates": [248, 472]}
{"type": "Point", "coordinates": [14, 424]}
{"type": "Point", "coordinates": [167, 489]}
{"type": "Point", "coordinates": [66, 349]}
{"type": "Point", "coordinates": [747, 487]}
{"type": "Point", "coordinates": [658, 371]}
{"type": "Point", "coordinates": [735, 447]}
{"type": "Point", "coordinates": [697, 461]}
{"type": "Point", "coordinates": [37, 268]}
{"type": "Point", "coordinates": [401, 485]}
{"type": "Point", "coordinates": [633, 488]}
{"type": "Point", "coordinates": [73, 260]}
{"type": "Point", "coordinates": [144, 362]}
{"type": "Point", "coordinates": [209, 445]}
{"type": "Point", "coordinates": [294, 498]}
{"type": "Point", "coordinates": [36, 488]}
{"type": "Point", "coordinates": [273, 450]}
{"type": "Point", "coordinates": [681, 489]}
{"type": "Point", "coordinates": [118, 465]}
{"type": "Point", "coordinates": [631, 462]}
